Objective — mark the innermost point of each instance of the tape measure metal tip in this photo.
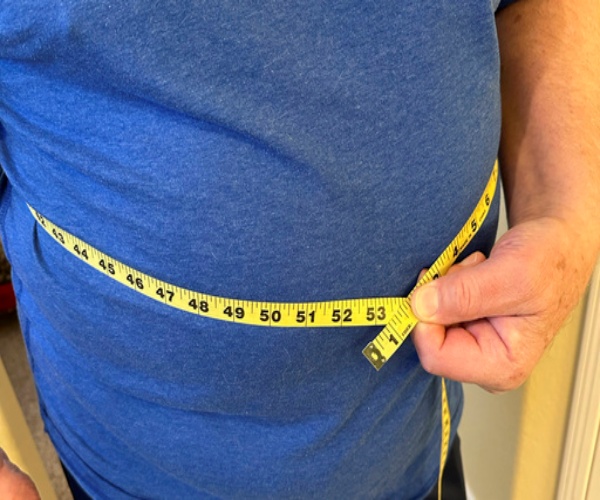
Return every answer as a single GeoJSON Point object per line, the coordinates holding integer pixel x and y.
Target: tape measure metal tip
{"type": "Point", "coordinates": [374, 356]}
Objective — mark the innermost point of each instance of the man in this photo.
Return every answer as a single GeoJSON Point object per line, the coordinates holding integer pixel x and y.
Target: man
{"type": "Point", "coordinates": [289, 153]}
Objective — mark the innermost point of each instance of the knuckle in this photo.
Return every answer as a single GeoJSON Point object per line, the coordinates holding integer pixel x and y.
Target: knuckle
{"type": "Point", "coordinates": [466, 298]}
{"type": "Point", "coordinates": [505, 385]}
{"type": "Point", "coordinates": [515, 376]}
{"type": "Point", "coordinates": [513, 382]}
{"type": "Point", "coordinates": [428, 362]}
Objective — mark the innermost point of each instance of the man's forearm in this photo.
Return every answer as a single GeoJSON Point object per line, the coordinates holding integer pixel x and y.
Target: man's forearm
{"type": "Point", "coordinates": [550, 148]}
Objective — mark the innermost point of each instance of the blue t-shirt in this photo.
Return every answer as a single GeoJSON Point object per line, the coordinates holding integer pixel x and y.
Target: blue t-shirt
{"type": "Point", "coordinates": [267, 150]}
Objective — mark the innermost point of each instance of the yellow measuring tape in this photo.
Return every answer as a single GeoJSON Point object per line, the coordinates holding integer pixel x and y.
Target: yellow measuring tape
{"type": "Point", "coordinates": [394, 314]}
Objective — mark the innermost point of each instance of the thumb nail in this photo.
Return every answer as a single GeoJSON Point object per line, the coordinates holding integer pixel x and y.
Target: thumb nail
{"type": "Point", "coordinates": [425, 302]}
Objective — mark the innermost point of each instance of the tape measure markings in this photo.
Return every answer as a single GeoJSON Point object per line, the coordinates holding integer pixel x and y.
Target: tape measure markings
{"type": "Point", "coordinates": [445, 440]}
{"type": "Point", "coordinates": [379, 351]}
{"type": "Point", "coordinates": [393, 313]}
{"type": "Point", "coordinates": [374, 311]}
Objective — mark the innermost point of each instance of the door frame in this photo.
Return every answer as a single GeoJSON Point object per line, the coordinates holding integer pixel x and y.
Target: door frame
{"type": "Point", "coordinates": [584, 417]}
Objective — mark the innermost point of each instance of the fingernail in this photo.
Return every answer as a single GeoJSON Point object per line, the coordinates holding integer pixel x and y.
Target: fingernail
{"type": "Point", "coordinates": [471, 260]}
{"type": "Point", "coordinates": [425, 303]}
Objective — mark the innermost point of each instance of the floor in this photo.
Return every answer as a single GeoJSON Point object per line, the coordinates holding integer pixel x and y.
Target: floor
{"type": "Point", "coordinates": [13, 355]}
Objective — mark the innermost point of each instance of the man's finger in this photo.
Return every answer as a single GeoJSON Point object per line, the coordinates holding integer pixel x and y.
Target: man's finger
{"type": "Point", "coordinates": [489, 288]}
{"type": "Point", "coordinates": [471, 353]}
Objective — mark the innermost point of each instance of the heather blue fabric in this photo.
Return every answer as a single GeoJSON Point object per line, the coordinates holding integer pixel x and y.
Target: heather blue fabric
{"type": "Point", "coordinates": [264, 150]}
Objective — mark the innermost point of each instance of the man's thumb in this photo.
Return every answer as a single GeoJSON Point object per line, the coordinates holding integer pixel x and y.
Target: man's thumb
{"type": "Point", "coordinates": [456, 297]}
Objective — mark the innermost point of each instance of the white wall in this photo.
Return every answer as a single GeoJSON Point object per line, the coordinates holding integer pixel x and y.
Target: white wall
{"type": "Point", "coordinates": [489, 434]}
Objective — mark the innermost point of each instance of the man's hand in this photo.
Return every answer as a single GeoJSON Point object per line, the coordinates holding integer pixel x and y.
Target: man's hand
{"type": "Point", "coordinates": [489, 321]}
{"type": "Point", "coordinates": [501, 313]}
{"type": "Point", "coordinates": [14, 484]}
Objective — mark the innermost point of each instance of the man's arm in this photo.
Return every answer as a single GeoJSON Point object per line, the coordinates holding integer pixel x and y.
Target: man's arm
{"type": "Point", "coordinates": [505, 310]}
